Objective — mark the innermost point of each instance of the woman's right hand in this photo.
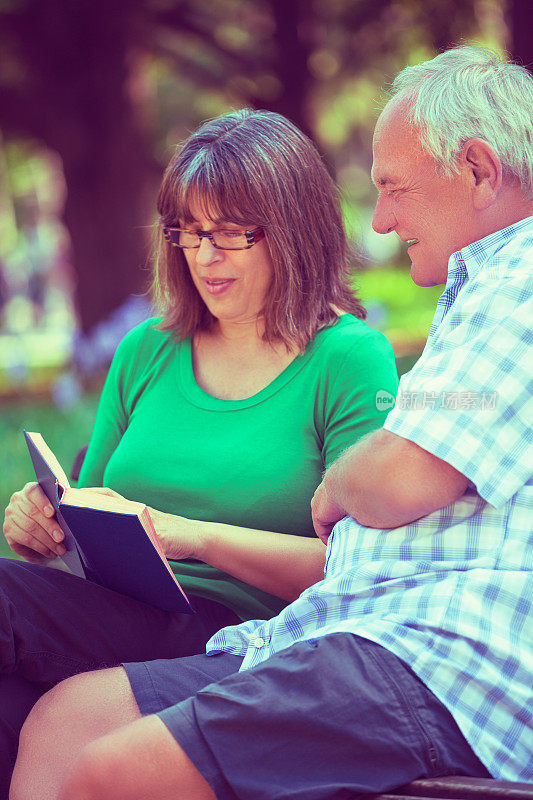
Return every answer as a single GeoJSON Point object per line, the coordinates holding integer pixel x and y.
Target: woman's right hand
{"type": "Point", "coordinates": [30, 527]}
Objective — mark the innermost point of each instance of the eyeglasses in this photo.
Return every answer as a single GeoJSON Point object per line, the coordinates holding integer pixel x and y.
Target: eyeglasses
{"type": "Point", "coordinates": [222, 239]}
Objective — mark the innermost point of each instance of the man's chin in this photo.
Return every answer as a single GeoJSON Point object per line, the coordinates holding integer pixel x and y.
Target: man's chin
{"type": "Point", "coordinates": [427, 277]}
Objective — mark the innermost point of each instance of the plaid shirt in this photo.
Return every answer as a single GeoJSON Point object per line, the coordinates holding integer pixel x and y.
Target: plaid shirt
{"type": "Point", "coordinates": [450, 594]}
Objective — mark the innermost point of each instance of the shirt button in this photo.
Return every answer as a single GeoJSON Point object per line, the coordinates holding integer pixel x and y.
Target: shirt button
{"type": "Point", "coordinates": [259, 642]}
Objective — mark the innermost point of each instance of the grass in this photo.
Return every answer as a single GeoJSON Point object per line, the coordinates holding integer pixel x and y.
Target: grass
{"type": "Point", "coordinates": [64, 431]}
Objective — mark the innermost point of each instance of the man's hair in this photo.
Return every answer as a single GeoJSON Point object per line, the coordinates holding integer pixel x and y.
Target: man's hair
{"type": "Point", "coordinates": [256, 168]}
{"type": "Point", "coordinates": [469, 92]}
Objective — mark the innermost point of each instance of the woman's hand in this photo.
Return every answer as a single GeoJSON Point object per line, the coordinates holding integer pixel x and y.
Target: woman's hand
{"type": "Point", "coordinates": [30, 527]}
{"type": "Point", "coordinates": [179, 537]}
{"type": "Point", "coordinates": [277, 563]}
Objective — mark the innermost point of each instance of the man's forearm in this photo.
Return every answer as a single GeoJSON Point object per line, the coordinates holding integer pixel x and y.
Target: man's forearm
{"type": "Point", "coordinates": [385, 481]}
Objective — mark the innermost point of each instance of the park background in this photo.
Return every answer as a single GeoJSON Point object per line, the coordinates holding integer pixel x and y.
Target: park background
{"type": "Point", "coordinates": [94, 97]}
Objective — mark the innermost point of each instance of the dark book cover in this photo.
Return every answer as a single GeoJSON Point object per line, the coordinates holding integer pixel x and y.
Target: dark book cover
{"type": "Point", "coordinates": [111, 548]}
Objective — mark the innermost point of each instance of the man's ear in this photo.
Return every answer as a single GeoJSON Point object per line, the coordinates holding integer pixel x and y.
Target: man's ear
{"type": "Point", "coordinates": [484, 169]}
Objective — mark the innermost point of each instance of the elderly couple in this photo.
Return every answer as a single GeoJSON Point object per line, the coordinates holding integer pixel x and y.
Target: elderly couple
{"type": "Point", "coordinates": [409, 653]}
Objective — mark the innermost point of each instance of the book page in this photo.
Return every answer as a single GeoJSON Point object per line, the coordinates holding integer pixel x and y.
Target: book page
{"type": "Point", "coordinates": [84, 498]}
{"type": "Point", "coordinates": [50, 459]}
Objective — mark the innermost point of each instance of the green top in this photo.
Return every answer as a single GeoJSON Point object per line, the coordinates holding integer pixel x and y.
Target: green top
{"type": "Point", "coordinates": [162, 440]}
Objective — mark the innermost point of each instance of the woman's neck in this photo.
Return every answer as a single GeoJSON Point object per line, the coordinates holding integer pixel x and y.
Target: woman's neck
{"type": "Point", "coordinates": [234, 362]}
{"type": "Point", "coordinates": [246, 335]}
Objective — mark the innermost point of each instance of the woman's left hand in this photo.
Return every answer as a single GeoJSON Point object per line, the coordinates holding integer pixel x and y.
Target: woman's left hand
{"type": "Point", "coordinates": [179, 537]}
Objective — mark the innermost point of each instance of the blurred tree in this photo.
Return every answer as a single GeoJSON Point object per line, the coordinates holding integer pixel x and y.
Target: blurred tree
{"type": "Point", "coordinates": [64, 81]}
{"type": "Point", "coordinates": [77, 75]}
{"type": "Point", "coordinates": [520, 29]}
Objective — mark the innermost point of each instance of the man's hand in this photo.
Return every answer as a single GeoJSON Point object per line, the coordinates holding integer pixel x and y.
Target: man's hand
{"type": "Point", "coordinates": [384, 481]}
{"type": "Point", "coordinates": [325, 513]}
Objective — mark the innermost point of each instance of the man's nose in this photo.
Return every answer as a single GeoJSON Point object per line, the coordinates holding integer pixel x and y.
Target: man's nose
{"type": "Point", "coordinates": [207, 253]}
{"type": "Point", "coordinates": [383, 220]}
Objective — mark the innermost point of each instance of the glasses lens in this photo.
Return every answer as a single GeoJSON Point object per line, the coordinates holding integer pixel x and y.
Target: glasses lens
{"type": "Point", "coordinates": [223, 239]}
{"type": "Point", "coordinates": [187, 239]}
{"type": "Point", "coordinates": [230, 240]}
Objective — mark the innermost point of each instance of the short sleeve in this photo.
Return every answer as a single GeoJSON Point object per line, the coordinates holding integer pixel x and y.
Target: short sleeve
{"type": "Point", "coordinates": [469, 399]}
{"type": "Point", "coordinates": [112, 414]}
{"type": "Point", "coordinates": [362, 389]}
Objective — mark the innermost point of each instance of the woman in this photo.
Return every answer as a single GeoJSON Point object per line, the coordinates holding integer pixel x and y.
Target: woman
{"type": "Point", "coordinates": [222, 416]}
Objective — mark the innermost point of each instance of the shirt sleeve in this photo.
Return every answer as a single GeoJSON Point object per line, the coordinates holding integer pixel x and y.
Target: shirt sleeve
{"type": "Point", "coordinates": [112, 414]}
{"type": "Point", "coordinates": [469, 399]}
{"type": "Point", "coordinates": [362, 389]}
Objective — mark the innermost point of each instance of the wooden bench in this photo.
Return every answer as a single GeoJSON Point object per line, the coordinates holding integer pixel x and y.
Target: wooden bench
{"type": "Point", "coordinates": [456, 788]}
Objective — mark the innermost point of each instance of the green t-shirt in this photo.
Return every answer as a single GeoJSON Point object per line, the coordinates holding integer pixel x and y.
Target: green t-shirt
{"type": "Point", "coordinates": [162, 440]}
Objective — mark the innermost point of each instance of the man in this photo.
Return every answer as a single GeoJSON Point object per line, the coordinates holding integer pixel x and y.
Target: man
{"type": "Point", "coordinates": [412, 657]}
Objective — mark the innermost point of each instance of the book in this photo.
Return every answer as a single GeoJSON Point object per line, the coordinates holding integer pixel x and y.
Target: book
{"type": "Point", "coordinates": [110, 541]}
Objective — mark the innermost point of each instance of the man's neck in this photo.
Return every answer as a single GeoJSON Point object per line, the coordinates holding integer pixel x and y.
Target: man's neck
{"type": "Point", "coordinates": [512, 207]}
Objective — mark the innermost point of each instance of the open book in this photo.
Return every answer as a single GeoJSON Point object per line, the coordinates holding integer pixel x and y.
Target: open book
{"type": "Point", "coordinates": [109, 540]}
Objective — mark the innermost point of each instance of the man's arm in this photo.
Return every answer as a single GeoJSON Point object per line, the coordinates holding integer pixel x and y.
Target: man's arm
{"type": "Point", "coordinates": [384, 481]}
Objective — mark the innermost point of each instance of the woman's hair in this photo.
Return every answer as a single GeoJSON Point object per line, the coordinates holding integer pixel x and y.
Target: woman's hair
{"type": "Point", "coordinates": [469, 92]}
{"type": "Point", "coordinates": [256, 168]}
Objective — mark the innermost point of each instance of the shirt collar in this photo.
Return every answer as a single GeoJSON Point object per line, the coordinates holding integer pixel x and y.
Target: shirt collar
{"type": "Point", "coordinates": [472, 257]}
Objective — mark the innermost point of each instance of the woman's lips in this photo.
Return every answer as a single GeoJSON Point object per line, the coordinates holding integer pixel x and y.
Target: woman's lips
{"type": "Point", "coordinates": [218, 285]}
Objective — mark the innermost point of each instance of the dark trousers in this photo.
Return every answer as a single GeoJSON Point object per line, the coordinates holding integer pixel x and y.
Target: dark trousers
{"type": "Point", "coordinates": [54, 625]}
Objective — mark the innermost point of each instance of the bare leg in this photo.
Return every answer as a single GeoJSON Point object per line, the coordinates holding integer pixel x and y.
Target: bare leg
{"type": "Point", "coordinates": [67, 718]}
{"type": "Point", "coordinates": [141, 761]}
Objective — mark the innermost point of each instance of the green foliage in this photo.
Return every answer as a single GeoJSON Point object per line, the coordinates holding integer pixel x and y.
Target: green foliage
{"type": "Point", "coordinates": [64, 431]}
{"type": "Point", "coordinates": [397, 306]}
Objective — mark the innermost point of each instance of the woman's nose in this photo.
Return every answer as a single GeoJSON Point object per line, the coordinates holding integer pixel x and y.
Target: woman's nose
{"type": "Point", "coordinates": [207, 253]}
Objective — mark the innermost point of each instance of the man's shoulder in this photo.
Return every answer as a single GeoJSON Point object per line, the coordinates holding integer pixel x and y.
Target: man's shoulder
{"type": "Point", "coordinates": [516, 252]}
{"type": "Point", "coordinates": [500, 277]}
{"type": "Point", "coordinates": [502, 254]}
{"type": "Point", "coordinates": [503, 288]}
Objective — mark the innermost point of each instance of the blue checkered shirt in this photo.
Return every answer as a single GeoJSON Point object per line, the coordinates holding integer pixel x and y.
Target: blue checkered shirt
{"type": "Point", "coordinates": [450, 594]}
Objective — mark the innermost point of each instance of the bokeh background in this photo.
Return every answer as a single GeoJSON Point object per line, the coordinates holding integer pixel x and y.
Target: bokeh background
{"type": "Point", "coordinates": [94, 97]}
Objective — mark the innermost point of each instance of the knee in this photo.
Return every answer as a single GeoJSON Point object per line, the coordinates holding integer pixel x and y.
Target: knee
{"type": "Point", "coordinates": [53, 710]}
{"type": "Point", "coordinates": [94, 775]}
{"type": "Point", "coordinates": [40, 742]}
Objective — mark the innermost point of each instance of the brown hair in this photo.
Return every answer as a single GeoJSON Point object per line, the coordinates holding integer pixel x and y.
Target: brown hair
{"type": "Point", "coordinates": [257, 167]}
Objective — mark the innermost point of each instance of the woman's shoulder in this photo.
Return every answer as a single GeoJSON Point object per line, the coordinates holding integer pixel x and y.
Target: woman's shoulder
{"type": "Point", "coordinates": [350, 354]}
{"type": "Point", "coordinates": [144, 348]}
{"type": "Point", "coordinates": [144, 337]}
{"type": "Point", "coordinates": [143, 353]}
{"type": "Point", "coordinates": [351, 335]}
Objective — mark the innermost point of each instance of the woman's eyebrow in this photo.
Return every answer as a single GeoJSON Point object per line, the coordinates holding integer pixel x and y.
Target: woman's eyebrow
{"type": "Point", "coordinates": [216, 221]}
{"type": "Point", "coordinates": [225, 221]}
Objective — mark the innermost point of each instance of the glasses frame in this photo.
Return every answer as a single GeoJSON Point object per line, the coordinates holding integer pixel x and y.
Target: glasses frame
{"type": "Point", "coordinates": [252, 237]}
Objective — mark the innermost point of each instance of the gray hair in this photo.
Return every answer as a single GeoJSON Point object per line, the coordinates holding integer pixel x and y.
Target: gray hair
{"type": "Point", "coordinates": [469, 92]}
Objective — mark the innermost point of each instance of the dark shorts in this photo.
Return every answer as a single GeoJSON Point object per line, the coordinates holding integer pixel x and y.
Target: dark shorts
{"type": "Point", "coordinates": [54, 625]}
{"type": "Point", "coordinates": [319, 720]}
